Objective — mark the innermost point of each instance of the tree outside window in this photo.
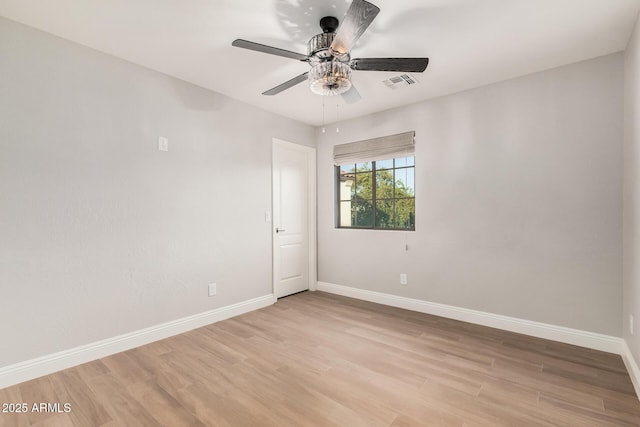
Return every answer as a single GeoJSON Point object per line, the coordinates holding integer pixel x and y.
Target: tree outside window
{"type": "Point", "coordinates": [378, 194]}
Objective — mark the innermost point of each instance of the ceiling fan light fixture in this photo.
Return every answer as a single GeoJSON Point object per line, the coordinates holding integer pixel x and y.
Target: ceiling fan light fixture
{"type": "Point", "coordinates": [330, 78]}
{"type": "Point", "coordinates": [329, 55]}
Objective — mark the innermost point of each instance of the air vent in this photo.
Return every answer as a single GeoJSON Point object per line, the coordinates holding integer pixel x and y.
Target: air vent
{"type": "Point", "coordinates": [400, 81]}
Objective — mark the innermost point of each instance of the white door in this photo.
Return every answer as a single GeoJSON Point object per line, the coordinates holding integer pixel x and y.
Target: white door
{"type": "Point", "coordinates": [293, 187]}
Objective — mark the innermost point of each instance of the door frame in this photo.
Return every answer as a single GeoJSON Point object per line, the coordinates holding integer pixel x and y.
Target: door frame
{"type": "Point", "coordinates": [312, 264]}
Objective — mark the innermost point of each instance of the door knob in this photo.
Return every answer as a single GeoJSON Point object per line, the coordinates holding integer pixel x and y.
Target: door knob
{"type": "Point", "coordinates": [279, 230]}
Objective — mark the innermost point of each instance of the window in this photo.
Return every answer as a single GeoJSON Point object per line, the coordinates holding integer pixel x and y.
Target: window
{"type": "Point", "coordinates": [379, 194]}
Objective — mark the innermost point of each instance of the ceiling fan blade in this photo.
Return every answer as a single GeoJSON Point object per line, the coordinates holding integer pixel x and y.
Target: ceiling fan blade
{"type": "Point", "coordinates": [357, 19]}
{"type": "Point", "coordinates": [415, 65]}
{"type": "Point", "coordinates": [286, 85]}
{"type": "Point", "coordinates": [245, 44]}
{"type": "Point", "coordinates": [352, 95]}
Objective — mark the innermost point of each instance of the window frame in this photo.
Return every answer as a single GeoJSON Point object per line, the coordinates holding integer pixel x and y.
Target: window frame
{"type": "Point", "coordinates": [374, 199]}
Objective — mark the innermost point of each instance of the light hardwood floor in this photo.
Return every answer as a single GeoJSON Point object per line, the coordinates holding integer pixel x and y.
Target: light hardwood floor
{"type": "Point", "coordinates": [316, 359]}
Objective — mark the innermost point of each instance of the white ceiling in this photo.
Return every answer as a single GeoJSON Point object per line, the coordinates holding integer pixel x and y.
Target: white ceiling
{"type": "Point", "coordinates": [470, 43]}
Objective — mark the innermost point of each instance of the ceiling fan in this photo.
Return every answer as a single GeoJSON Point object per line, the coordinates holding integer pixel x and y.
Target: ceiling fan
{"type": "Point", "coordinates": [329, 54]}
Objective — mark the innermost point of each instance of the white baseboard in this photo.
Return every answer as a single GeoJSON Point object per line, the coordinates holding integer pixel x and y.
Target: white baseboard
{"type": "Point", "coordinates": [632, 367]}
{"type": "Point", "coordinates": [537, 329]}
{"type": "Point", "coordinates": [24, 371]}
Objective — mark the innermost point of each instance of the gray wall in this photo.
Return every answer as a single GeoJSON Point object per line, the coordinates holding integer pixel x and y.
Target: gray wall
{"type": "Point", "coordinates": [102, 234]}
{"type": "Point", "coordinates": [518, 194]}
{"type": "Point", "coordinates": [631, 209]}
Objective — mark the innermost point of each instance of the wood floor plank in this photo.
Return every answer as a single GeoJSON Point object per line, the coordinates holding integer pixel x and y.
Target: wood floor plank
{"type": "Point", "coordinates": [86, 407]}
{"type": "Point", "coordinates": [162, 406]}
{"type": "Point", "coordinates": [430, 420]}
{"type": "Point", "coordinates": [126, 368]}
{"type": "Point", "coordinates": [622, 410]}
{"type": "Point", "coordinates": [316, 359]}
{"type": "Point", "coordinates": [579, 415]}
{"type": "Point", "coordinates": [60, 420]}
{"type": "Point", "coordinates": [118, 402]}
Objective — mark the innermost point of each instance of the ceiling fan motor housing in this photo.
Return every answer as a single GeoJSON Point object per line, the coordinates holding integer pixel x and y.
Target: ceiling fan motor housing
{"type": "Point", "coordinates": [319, 46]}
{"type": "Point", "coordinates": [329, 24]}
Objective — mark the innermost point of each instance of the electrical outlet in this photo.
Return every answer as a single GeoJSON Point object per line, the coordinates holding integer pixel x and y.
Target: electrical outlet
{"type": "Point", "coordinates": [403, 279]}
{"type": "Point", "coordinates": [212, 289]}
{"type": "Point", "coordinates": [631, 324]}
{"type": "Point", "coordinates": [163, 143]}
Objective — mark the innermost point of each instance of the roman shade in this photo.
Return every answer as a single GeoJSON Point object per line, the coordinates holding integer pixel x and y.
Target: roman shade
{"type": "Point", "coordinates": [368, 150]}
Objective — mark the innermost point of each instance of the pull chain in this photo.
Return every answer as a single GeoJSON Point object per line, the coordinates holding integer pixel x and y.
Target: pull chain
{"type": "Point", "coordinates": [323, 129]}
